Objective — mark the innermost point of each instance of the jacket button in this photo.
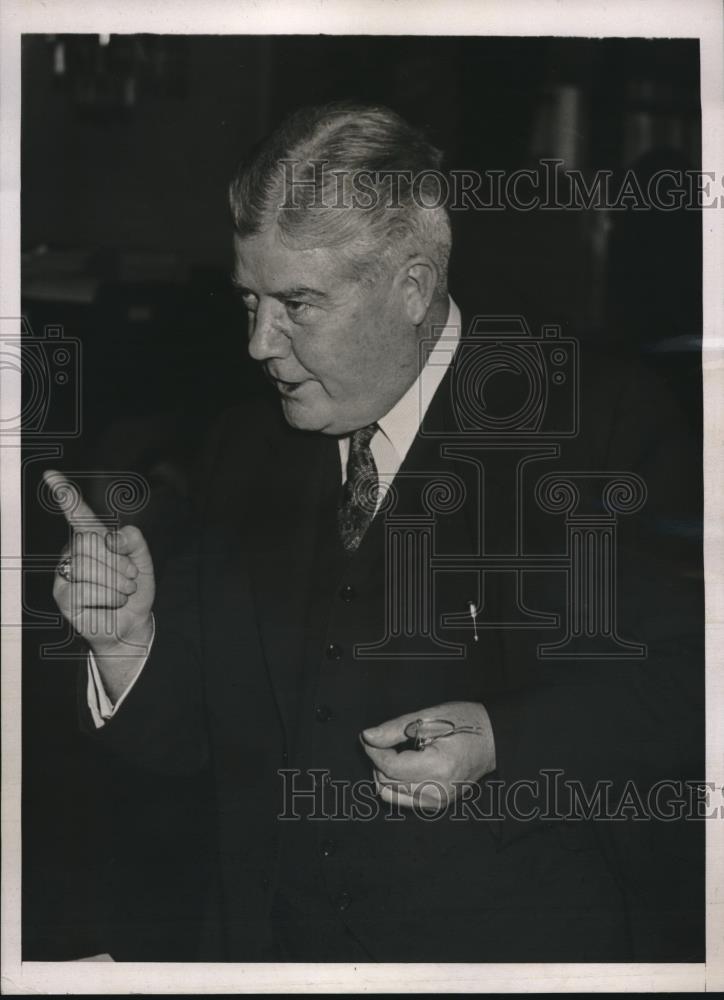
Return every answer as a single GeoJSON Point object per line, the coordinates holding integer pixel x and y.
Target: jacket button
{"type": "Point", "coordinates": [343, 901]}
{"type": "Point", "coordinates": [265, 883]}
{"type": "Point", "coordinates": [328, 848]}
{"type": "Point", "coordinates": [347, 594]}
{"type": "Point", "coordinates": [323, 713]}
{"type": "Point", "coordinates": [333, 651]}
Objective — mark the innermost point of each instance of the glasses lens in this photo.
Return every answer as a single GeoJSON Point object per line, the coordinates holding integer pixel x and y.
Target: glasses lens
{"type": "Point", "coordinates": [428, 729]}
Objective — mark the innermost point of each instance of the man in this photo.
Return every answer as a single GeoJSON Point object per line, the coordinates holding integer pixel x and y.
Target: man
{"type": "Point", "coordinates": [294, 651]}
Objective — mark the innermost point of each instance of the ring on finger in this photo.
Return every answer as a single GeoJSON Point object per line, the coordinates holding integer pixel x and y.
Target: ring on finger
{"type": "Point", "coordinates": [63, 569]}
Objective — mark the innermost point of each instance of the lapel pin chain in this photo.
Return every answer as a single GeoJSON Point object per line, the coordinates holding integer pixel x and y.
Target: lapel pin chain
{"type": "Point", "coordinates": [473, 615]}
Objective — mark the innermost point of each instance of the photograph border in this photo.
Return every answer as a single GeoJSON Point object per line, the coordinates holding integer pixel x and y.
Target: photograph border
{"type": "Point", "coordinates": [700, 19]}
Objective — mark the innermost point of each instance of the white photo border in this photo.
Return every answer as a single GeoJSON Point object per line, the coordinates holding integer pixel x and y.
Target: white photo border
{"type": "Point", "coordinates": [700, 19]}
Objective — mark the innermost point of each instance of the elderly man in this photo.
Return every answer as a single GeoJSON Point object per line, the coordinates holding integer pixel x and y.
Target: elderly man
{"type": "Point", "coordinates": [354, 744]}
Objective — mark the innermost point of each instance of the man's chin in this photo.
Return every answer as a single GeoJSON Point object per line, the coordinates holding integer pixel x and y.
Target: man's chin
{"type": "Point", "coordinates": [302, 418]}
{"type": "Point", "coordinates": [303, 415]}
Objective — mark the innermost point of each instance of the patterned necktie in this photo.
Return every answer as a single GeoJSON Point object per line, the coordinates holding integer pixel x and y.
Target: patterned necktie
{"type": "Point", "coordinates": [359, 493]}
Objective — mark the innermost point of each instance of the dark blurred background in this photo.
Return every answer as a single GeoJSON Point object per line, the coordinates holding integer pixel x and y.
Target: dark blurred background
{"type": "Point", "coordinates": [128, 143]}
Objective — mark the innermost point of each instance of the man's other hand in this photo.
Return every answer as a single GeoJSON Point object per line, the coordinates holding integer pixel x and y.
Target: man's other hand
{"type": "Point", "coordinates": [431, 777]}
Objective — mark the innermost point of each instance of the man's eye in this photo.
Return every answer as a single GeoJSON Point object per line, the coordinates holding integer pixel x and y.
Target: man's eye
{"type": "Point", "coordinates": [250, 302]}
{"type": "Point", "coordinates": [295, 308]}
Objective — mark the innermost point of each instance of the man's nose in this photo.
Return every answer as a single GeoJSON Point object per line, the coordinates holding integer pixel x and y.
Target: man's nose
{"type": "Point", "coordinates": [268, 340]}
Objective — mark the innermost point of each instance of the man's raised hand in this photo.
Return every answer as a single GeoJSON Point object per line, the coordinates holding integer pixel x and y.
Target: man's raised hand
{"type": "Point", "coordinates": [107, 590]}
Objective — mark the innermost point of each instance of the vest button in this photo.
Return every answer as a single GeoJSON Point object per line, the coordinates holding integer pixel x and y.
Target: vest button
{"type": "Point", "coordinates": [333, 651]}
{"type": "Point", "coordinates": [343, 901]}
{"type": "Point", "coordinates": [323, 713]}
{"type": "Point", "coordinates": [328, 848]}
{"type": "Point", "coordinates": [347, 594]}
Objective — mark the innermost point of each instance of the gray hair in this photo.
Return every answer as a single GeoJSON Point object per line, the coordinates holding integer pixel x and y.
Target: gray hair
{"type": "Point", "coordinates": [353, 177]}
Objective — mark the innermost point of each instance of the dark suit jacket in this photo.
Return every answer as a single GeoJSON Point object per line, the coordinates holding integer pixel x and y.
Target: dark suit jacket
{"type": "Point", "coordinates": [222, 691]}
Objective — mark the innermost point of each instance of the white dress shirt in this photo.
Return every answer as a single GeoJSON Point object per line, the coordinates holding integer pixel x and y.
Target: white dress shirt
{"type": "Point", "coordinates": [389, 446]}
{"type": "Point", "coordinates": [398, 428]}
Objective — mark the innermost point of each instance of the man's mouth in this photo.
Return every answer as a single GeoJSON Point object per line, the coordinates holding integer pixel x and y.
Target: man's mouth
{"type": "Point", "coordinates": [286, 387]}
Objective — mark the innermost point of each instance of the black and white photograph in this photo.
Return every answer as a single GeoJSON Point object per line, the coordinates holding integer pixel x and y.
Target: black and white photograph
{"type": "Point", "coordinates": [362, 552]}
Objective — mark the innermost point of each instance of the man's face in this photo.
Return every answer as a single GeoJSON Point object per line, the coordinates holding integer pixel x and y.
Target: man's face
{"type": "Point", "coordinates": [341, 353]}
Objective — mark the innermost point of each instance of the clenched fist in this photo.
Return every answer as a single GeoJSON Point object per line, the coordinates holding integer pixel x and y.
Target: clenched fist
{"type": "Point", "coordinates": [104, 587]}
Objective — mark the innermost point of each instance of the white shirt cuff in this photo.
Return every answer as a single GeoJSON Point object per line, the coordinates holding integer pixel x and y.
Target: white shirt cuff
{"type": "Point", "coordinates": [99, 704]}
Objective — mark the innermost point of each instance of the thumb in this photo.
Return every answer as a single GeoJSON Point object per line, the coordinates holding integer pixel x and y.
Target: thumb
{"type": "Point", "coordinates": [388, 734]}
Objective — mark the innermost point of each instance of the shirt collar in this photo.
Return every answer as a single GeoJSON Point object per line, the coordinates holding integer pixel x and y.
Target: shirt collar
{"type": "Point", "coordinates": [401, 424]}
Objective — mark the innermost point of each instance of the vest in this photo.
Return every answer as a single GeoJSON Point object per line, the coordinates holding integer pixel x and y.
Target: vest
{"type": "Point", "coordinates": [324, 861]}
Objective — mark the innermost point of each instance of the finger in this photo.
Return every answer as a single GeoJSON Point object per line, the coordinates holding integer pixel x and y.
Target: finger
{"type": "Point", "coordinates": [93, 545]}
{"type": "Point", "coordinates": [119, 562]}
{"type": "Point", "coordinates": [84, 569]}
{"type": "Point", "coordinates": [396, 798]}
{"type": "Point", "coordinates": [93, 595]}
{"type": "Point", "coordinates": [384, 760]}
{"type": "Point", "coordinates": [432, 795]}
{"type": "Point", "coordinates": [410, 765]}
{"type": "Point", "coordinates": [384, 781]}
{"type": "Point", "coordinates": [90, 545]}
{"type": "Point", "coordinates": [75, 510]}
{"type": "Point", "coordinates": [129, 541]}
{"type": "Point", "coordinates": [390, 733]}
{"type": "Point", "coordinates": [429, 795]}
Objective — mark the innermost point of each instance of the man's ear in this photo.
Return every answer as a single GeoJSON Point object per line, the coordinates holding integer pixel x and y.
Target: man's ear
{"type": "Point", "coordinates": [419, 283]}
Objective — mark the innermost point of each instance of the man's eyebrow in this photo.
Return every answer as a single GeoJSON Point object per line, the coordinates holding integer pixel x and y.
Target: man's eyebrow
{"type": "Point", "coordinates": [240, 288]}
{"type": "Point", "coordinates": [298, 291]}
